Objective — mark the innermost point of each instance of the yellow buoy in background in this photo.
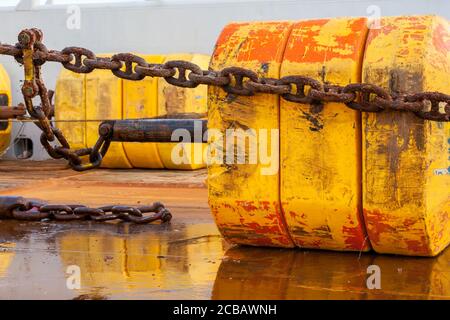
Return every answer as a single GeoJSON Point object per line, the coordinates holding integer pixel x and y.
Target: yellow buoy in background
{"type": "Point", "coordinates": [173, 100]}
{"type": "Point", "coordinates": [104, 102]}
{"type": "Point", "coordinates": [140, 100]}
{"type": "Point", "coordinates": [321, 143]}
{"type": "Point", "coordinates": [245, 197]}
{"type": "Point", "coordinates": [70, 106]}
{"type": "Point", "coordinates": [406, 181]}
{"type": "Point", "coordinates": [5, 100]}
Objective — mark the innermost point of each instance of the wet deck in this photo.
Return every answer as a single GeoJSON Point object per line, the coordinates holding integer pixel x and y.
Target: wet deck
{"type": "Point", "coordinates": [186, 259]}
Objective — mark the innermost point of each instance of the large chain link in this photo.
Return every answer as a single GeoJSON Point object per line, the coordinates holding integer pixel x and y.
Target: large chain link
{"type": "Point", "coordinates": [19, 208]}
{"type": "Point", "coordinates": [30, 51]}
{"type": "Point", "coordinates": [363, 97]}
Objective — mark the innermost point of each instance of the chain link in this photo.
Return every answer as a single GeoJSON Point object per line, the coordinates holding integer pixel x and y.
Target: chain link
{"type": "Point", "coordinates": [19, 208]}
{"type": "Point", "coordinates": [362, 97]}
{"type": "Point", "coordinates": [239, 81]}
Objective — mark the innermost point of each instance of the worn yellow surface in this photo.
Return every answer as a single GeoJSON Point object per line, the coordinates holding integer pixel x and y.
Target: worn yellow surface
{"type": "Point", "coordinates": [134, 262]}
{"type": "Point", "coordinates": [173, 100]}
{"type": "Point", "coordinates": [104, 102]}
{"type": "Point", "coordinates": [5, 89]}
{"type": "Point", "coordinates": [140, 100]}
{"type": "Point", "coordinates": [70, 105]}
{"type": "Point", "coordinates": [244, 199]}
{"type": "Point", "coordinates": [321, 144]}
{"type": "Point", "coordinates": [406, 181]}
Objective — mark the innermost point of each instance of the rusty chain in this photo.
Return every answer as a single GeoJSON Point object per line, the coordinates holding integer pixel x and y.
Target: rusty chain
{"type": "Point", "coordinates": [362, 97]}
{"type": "Point", "coordinates": [19, 208]}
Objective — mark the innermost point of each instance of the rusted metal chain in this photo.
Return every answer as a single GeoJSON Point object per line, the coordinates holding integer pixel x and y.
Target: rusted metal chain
{"type": "Point", "coordinates": [433, 106]}
{"type": "Point", "coordinates": [364, 97]}
{"type": "Point", "coordinates": [19, 208]}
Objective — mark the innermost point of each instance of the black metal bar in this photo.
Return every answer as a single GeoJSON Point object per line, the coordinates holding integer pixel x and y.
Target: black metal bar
{"type": "Point", "coordinates": [158, 130]}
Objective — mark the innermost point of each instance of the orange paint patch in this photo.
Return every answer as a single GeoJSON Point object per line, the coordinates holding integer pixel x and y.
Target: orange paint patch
{"type": "Point", "coordinates": [306, 35]}
{"type": "Point", "coordinates": [355, 237]}
{"type": "Point", "coordinates": [247, 205]}
{"type": "Point", "coordinates": [263, 229]}
{"type": "Point", "coordinates": [441, 39]}
{"type": "Point", "coordinates": [377, 224]}
{"type": "Point", "coordinates": [225, 37]}
{"type": "Point", "coordinates": [374, 33]}
{"type": "Point", "coordinates": [264, 43]}
{"type": "Point", "coordinates": [418, 246]}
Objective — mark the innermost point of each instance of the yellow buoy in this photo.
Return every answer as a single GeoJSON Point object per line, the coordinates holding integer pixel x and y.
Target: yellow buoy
{"type": "Point", "coordinates": [173, 100]}
{"type": "Point", "coordinates": [104, 102]}
{"type": "Point", "coordinates": [70, 107]}
{"type": "Point", "coordinates": [140, 100]}
{"type": "Point", "coordinates": [244, 190]}
{"type": "Point", "coordinates": [321, 143]}
{"type": "Point", "coordinates": [5, 100]}
{"type": "Point", "coordinates": [406, 179]}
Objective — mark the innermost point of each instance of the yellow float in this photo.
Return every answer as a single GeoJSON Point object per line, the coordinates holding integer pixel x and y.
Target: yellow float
{"type": "Point", "coordinates": [173, 100]}
{"type": "Point", "coordinates": [140, 100]}
{"type": "Point", "coordinates": [70, 107]}
{"type": "Point", "coordinates": [245, 197]}
{"type": "Point", "coordinates": [344, 183]}
{"type": "Point", "coordinates": [104, 102]}
{"type": "Point", "coordinates": [321, 144]}
{"type": "Point", "coordinates": [406, 181]}
{"type": "Point", "coordinates": [5, 100]}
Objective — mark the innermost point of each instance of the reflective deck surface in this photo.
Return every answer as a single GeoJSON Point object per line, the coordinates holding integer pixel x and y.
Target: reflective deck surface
{"type": "Point", "coordinates": [186, 259]}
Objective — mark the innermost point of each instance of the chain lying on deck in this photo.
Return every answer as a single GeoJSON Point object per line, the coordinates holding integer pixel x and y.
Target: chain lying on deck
{"type": "Point", "coordinates": [363, 97]}
{"type": "Point", "coordinates": [19, 208]}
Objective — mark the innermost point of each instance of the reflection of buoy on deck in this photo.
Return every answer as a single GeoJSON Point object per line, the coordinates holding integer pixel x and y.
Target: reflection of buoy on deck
{"type": "Point", "coordinates": [263, 273]}
{"type": "Point", "coordinates": [133, 263]}
{"type": "Point", "coordinates": [6, 257]}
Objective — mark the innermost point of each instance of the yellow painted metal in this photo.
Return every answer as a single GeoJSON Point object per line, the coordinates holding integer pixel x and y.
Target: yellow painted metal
{"type": "Point", "coordinates": [173, 100]}
{"type": "Point", "coordinates": [245, 198]}
{"type": "Point", "coordinates": [321, 144]}
{"type": "Point", "coordinates": [70, 105]}
{"type": "Point", "coordinates": [406, 159]}
{"type": "Point", "coordinates": [140, 100]}
{"type": "Point", "coordinates": [104, 102]}
{"type": "Point", "coordinates": [5, 89]}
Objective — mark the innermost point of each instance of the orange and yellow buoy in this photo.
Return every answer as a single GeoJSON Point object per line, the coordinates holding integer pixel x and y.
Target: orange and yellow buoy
{"type": "Point", "coordinates": [344, 183]}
